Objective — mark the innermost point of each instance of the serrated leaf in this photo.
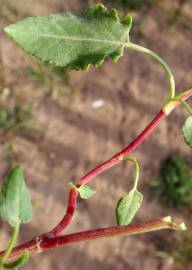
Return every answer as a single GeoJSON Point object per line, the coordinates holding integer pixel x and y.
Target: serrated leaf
{"type": "Point", "coordinates": [127, 207]}
{"type": "Point", "coordinates": [20, 262]}
{"type": "Point", "coordinates": [86, 192]}
{"type": "Point", "coordinates": [15, 203]}
{"type": "Point", "coordinates": [73, 41]}
{"type": "Point", "coordinates": [187, 131]}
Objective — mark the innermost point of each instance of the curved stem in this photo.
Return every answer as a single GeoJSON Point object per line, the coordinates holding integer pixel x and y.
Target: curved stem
{"type": "Point", "coordinates": [136, 163]}
{"type": "Point", "coordinates": [66, 220]}
{"type": "Point", "coordinates": [72, 200]}
{"type": "Point", "coordinates": [185, 105]}
{"type": "Point", "coordinates": [172, 104]}
{"type": "Point", "coordinates": [10, 245]}
{"type": "Point", "coordinates": [44, 241]}
{"type": "Point", "coordinates": [160, 61]}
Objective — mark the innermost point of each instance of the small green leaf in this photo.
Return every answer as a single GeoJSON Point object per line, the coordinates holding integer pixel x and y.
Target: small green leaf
{"type": "Point", "coordinates": [127, 207]}
{"type": "Point", "coordinates": [187, 131]}
{"type": "Point", "coordinates": [86, 192]}
{"type": "Point", "coordinates": [73, 41]}
{"type": "Point", "coordinates": [20, 262]}
{"type": "Point", "coordinates": [15, 203]}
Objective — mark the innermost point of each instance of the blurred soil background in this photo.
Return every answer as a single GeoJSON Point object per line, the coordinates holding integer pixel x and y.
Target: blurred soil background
{"type": "Point", "coordinates": [61, 124]}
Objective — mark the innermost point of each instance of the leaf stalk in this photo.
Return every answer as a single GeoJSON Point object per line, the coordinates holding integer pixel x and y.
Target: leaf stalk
{"type": "Point", "coordinates": [160, 61]}
{"type": "Point", "coordinates": [10, 246]}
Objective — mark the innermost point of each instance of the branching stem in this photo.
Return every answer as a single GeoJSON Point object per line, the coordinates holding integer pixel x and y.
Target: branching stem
{"type": "Point", "coordinates": [55, 239]}
{"type": "Point", "coordinates": [163, 113]}
{"type": "Point", "coordinates": [185, 105]}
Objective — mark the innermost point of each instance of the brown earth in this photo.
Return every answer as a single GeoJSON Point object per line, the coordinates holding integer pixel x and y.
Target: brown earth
{"type": "Point", "coordinates": [68, 136]}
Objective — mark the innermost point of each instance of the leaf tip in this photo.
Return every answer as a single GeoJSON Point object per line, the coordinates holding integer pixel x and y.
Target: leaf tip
{"type": "Point", "coordinates": [9, 31]}
{"type": "Point", "coordinates": [19, 167]}
{"type": "Point", "coordinates": [6, 29]}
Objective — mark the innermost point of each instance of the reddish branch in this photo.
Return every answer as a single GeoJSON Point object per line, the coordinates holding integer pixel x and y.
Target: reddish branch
{"type": "Point", "coordinates": [58, 230]}
{"type": "Point", "coordinates": [54, 239]}
{"type": "Point", "coordinates": [39, 244]}
{"type": "Point", "coordinates": [101, 168]}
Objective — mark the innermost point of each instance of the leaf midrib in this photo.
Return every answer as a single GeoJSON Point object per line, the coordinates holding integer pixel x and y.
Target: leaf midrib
{"type": "Point", "coordinates": [76, 38]}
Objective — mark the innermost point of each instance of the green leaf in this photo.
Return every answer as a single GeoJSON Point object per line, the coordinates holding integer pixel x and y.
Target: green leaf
{"type": "Point", "coordinates": [128, 206]}
{"type": "Point", "coordinates": [20, 262]}
{"type": "Point", "coordinates": [86, 192]}
{"type": "Point", "coordinates": [15, 203]}
{"type": "Point", "coordinates": [187, 131]}
{"type": "Point", "coordinates": [73, 41]}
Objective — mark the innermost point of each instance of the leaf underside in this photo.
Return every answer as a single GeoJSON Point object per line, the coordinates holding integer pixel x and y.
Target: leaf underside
{"type": "Point", "coordinates": [15, 203]}
{"type": "Point", "coordinates": [187, 131]}
{"type": "Point", "coordinates": [73, 41]}
{"type": "Point", "coordinates": [127, 207]}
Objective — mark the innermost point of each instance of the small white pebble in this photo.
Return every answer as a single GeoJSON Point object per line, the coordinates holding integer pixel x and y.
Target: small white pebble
{"type": "Point", "coordinates": [97, 103]}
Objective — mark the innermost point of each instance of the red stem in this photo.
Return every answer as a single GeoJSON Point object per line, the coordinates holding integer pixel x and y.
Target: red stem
{"type": "Point", "coordinates": [72, 200]}
{"type": "Point", "coordinates": [39, 244]}
{"type": "Point", "coordinates": [101, 168]}
{"type": "Point", "coordinates": [51, 240]}
{"type": "Point", "coordinates": [107, 232]}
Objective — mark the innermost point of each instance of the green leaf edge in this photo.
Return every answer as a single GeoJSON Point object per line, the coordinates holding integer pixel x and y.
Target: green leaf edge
{"type": "Point", "coordinates": [17, 167]}
{"type": "Point", "coordinates": [183, 131]}
{"type": "Point", "coordinates": [97, 10]}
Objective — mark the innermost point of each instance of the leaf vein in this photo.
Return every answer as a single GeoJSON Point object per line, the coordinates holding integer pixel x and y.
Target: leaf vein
{"type": "Point", "coordinates": [74, 38]}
